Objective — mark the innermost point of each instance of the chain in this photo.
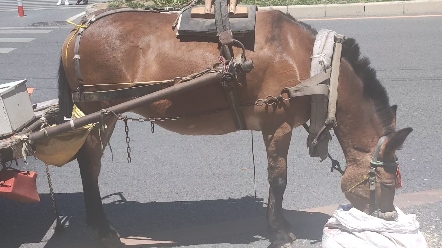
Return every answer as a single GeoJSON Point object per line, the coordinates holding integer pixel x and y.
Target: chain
{"type": "Point", "coordinates": [271, 100]}
{"type": "Point", "coordinates": [157, 119]}
{"type": "Point", "coordinates": [59, 225]}
{"type": "Point", "coordinates": [161, 119]}
{"type": "Point", "coordinates": [166, 83]}
{"type": "Point", "coordinates": [126, 130]}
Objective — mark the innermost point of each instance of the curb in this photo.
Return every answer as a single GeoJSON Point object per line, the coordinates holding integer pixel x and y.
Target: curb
{"type": "Point", "coordinates": [348, 10]}
{"type": "Point", "coordinates": [361, 9]}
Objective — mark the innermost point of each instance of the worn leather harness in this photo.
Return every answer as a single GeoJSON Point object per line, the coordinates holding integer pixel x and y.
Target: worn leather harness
{"type": "Point", "coordinates": [325, 83]}
{"type": "Point", "coordinates": [80, 95]}
{"type": "Point", "coordinates": [374, 209]}
{"type": "Point", "coordinates": [233, 68]}
{"type": "Point", "coordinates": [374, 164]}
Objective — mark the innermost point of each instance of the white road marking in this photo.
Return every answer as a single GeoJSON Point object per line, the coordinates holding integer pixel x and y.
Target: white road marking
{"type": "Point", "coordinates": [6, 50]}
{"type": "Point", "coordinates": [25, 31]}
{"type": "Point", "coordinates": [29, 27]}
{"type": "Point", "coordinates": [45, 238]}
{"type": "Point", "coordinates": [16, 39]}
{"type": "Point", "coordinates": [11, 5]}
{"type": "Point", "coordinates": [76, 16]}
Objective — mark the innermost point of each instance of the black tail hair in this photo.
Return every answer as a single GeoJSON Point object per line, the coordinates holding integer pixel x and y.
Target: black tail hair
{"type": "Point", "coordinates": [65, 103]}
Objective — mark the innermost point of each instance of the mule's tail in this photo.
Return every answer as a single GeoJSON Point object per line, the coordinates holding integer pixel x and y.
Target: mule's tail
{"type": "Point", "coordinates": [65, 103]}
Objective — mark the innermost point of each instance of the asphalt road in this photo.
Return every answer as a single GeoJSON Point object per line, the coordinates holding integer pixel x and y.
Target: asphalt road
{"type": "Point", "coordinates": [195, 183]}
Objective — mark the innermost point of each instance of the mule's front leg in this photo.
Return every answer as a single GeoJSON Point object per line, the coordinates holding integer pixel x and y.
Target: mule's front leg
{"type": "Point", "coordinates": [277, 144]}
{"type": "Point", "coordinates": [89, 160]}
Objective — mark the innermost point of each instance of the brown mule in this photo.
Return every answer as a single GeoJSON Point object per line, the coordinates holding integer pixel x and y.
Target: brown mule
{"type": "Point", "coordinates": [134, 46]}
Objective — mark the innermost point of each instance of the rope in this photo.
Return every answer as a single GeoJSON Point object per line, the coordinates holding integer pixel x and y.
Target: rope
{"type": "Point", "coordinates": [9, 142]}
{"type": "Point", "coordinates": [322, 60]}
{"type": "Point", "coordinates": [366, 177]}
{"type": "Point", "coordinates": [184, 8]}
{"type": "Point", "coordinates": [78, 27]}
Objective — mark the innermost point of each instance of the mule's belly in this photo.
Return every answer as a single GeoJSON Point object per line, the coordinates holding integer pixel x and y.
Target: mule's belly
{"type": "Point", "coordinates": [204, 123]}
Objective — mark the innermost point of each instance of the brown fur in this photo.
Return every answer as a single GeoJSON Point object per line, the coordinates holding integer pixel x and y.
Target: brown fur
{"type": "Point", "coordinates": [131, 47]}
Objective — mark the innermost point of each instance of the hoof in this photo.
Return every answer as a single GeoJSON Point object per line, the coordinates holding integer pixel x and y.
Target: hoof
{"type": "Point", "coordinates": [93, 223]}
{"type": "Point", "coordinates": [111, 242]}
{"type": "Point", "coordinates": [111, 239]}
{"type": "Point", "coordinates": [279, 245]}
{"type": "Point", "coordinates": [292, 236]}
{"type": "Point", "coordinates": [288, 245]}
{"type": "Point", "coordinates": [283, 240]}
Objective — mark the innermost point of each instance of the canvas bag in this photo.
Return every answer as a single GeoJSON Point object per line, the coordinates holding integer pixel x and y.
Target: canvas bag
{"type": "Point", "coordinates": [19, 185]}
{"type": "Point", "coordinates": [60, 149]}
{"type": "Point", "coordinates": [351, 228]}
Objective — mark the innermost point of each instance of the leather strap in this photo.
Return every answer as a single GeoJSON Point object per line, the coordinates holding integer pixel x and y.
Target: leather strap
{"type": "Point", "coordinates": [109, 95]}
{"type": "Point", "coordinates": [336, 65]}
{"type": "Point", "coordinates": [228, 82]}
{"type": "Point", "coordinates": [79, 34]}
{"type": "Point", "coordinates": [310, 86]}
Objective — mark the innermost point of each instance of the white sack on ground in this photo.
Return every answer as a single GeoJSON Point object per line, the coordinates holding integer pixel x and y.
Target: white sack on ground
{"type": "Point", "coordinates": [351, 228]}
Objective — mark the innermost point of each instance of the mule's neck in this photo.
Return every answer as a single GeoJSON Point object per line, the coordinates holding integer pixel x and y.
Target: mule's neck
{"type": "Point", "coordinates": [358, 127]}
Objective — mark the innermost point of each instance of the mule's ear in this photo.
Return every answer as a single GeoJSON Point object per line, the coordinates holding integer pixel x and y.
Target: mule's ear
{"type": "Point", "coordinates": [398, 138]}
{"type": "Point", "coordinates": [394, 110]}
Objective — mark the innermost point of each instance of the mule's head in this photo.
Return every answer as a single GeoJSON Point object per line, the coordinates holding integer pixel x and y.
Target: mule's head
{"type": "Point", "coordinates": [370, 179]}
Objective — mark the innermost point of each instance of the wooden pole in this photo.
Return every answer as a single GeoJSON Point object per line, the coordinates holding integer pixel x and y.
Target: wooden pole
{"type": "Point", "coordinates": [127, 106]}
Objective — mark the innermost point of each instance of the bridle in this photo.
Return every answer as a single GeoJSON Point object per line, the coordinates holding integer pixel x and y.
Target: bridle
{"type": "Point", "coordinates": [374, 209]}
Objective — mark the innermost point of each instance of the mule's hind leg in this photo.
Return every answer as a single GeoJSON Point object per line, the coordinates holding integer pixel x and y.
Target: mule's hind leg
{"type": "Point", "coordinates": [277, 144]}
{"type": "Point", "coordinates": [89, 160]}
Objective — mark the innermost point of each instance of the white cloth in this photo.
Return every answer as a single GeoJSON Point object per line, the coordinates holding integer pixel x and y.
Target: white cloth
{"type": "Point", "coordinates": [351, 228]}
{"type": "Point", "coordinates": [322, 51]}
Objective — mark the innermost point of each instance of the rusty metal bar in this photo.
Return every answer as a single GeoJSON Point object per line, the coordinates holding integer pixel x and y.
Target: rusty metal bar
{"type": "Point", "coordinates": [127, 106]}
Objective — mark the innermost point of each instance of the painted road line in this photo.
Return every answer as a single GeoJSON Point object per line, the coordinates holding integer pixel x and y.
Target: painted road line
{"type": "Point", "coordinates": [7, 28]}
{"type": "Point", "coordinates": [401, 201]}
{"type": "Point", "coordinates": [16, 39]}
{"type": "Point", "coordinates": [25, 31]}
{"type": "Point", "coordinates": [76, 16]}
{"type": "Point", "coordinates": [6, 50]}
{"type": "Point", "coordinates": [418, 198]}
{"type": "Point", "coordinates": [194, 234]}
{"type": "Point", "coordinates": [44, 240]}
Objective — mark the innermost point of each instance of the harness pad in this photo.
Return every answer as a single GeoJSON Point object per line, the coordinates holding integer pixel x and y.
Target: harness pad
{"type": "Point", "coordinates": [188, 26]}
{"type": "Point", "coordinates": [321, 61]}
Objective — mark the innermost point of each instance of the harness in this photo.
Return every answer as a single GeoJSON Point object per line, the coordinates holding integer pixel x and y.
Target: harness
{"type": "Point", "coordinates": [322, 87]}
{"type": "Point", "coordinates": [374, 209]}
{"type": "Point", "coordinates": [232, 68]}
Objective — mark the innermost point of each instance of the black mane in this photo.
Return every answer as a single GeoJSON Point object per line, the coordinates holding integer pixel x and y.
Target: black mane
{"type": "Point", "coordinates": [372, 87]}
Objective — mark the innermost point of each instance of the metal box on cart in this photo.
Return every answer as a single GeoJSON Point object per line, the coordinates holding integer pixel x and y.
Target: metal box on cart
{"type": "Point", "coordinates": [15, 107]}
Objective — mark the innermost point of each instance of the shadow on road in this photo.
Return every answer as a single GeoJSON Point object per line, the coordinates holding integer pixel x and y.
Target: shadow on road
{"type": "Point", "coordinates": [152, 224]}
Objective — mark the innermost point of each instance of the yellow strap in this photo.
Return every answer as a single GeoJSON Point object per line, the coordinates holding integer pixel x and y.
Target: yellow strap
{"type": "Point", "coordinates": [78, 26]}
{"type": "Point", "coordinates": [366, 177]}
